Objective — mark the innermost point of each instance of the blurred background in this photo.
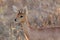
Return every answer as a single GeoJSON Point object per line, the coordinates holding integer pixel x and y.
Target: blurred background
{"type": "Point", "coordinates": [39, 13]}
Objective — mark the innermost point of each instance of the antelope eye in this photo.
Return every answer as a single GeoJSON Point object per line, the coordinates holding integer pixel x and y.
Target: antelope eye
{"type": "Point", "coordinates": [21, 16]}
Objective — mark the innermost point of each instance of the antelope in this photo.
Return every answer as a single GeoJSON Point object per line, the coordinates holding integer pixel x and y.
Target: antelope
{"type": "Point", "coordinates": [52, 33]}
{"type": "Point", "coordinates": [22, 19]}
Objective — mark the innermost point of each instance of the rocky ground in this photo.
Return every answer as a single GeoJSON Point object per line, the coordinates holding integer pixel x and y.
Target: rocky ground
{"type": "Point", "coordinates": [39, 14]}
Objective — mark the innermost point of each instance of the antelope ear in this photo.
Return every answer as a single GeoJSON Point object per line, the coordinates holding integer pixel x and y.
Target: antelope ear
{"type": "Point", "coordinates": [25, 10]}
{"type": "Point", "coordinates": [15, 9]}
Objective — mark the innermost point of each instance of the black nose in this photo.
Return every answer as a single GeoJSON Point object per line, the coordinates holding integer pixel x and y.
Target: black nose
{"type": "Point", "coordinates": [15, 19]}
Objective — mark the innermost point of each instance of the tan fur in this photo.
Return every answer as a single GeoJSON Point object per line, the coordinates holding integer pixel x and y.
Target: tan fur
{"type": "Point", "coordinates": [23, 21]}
{"type": "Point", "coordinates": [41, 34]}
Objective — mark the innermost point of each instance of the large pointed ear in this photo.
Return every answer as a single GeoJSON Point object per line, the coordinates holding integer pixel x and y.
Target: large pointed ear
{"type": "Point", "coordinates": [15, 9]}
{"type": "Point", "coordinates": [25, 10]}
